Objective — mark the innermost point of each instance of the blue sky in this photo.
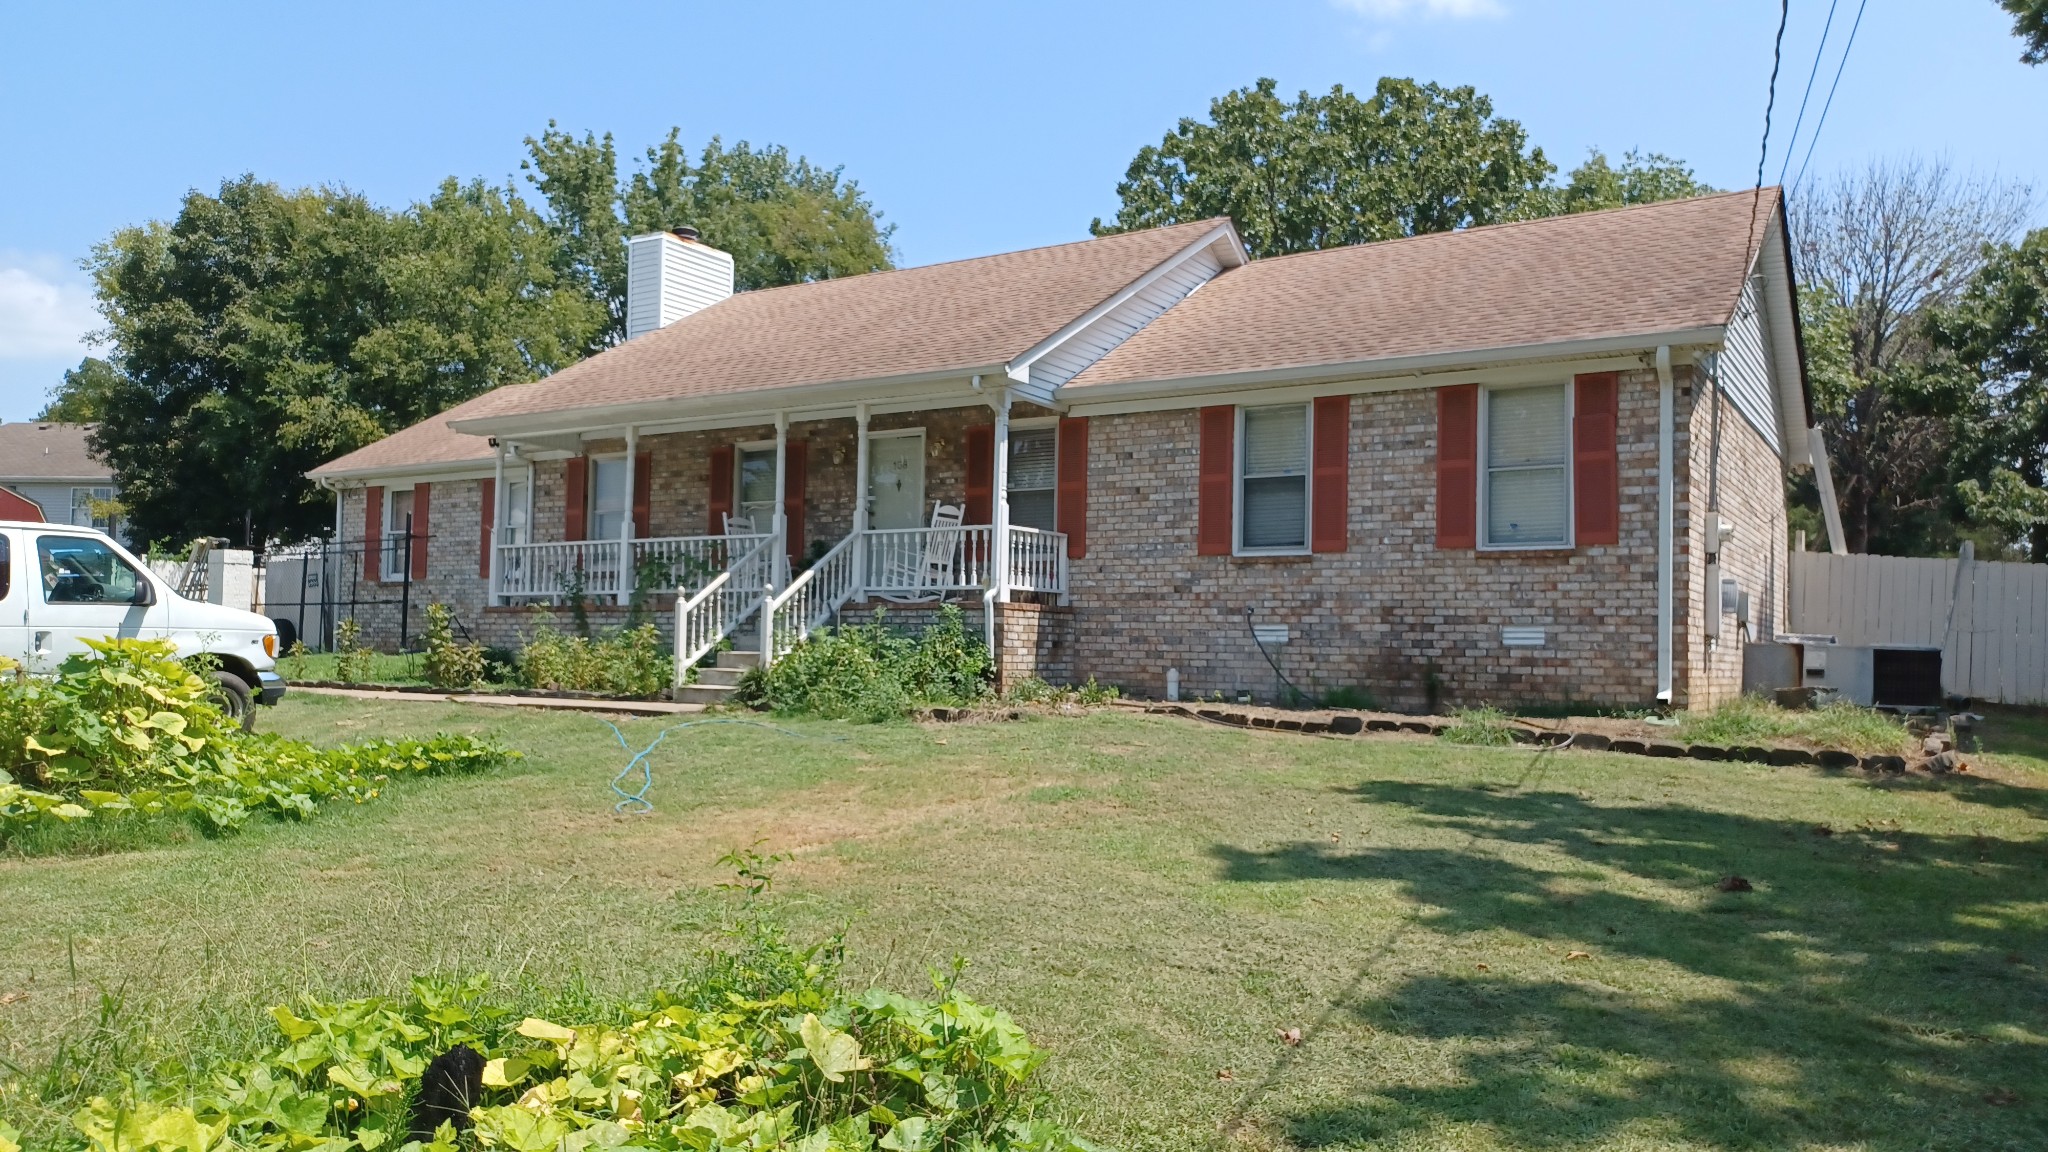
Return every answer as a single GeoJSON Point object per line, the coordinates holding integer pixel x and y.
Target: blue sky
{"type": "Point", "coordinates": [976, 128]}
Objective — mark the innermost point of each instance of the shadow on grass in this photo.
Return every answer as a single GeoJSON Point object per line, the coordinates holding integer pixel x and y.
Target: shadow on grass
{"type": "Point", "coordinates": [1879, 987]}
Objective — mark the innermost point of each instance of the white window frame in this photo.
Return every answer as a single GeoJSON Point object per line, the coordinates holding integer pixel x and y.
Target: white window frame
{"type": "Point", "coordinates": [1039, 424]}
{"type": "Point", "coordinates": [392, 566]}
{"type": "Point", "coordinates": [1485, 470]}
{"type": "Point", "coordinates": [91, 492]}
{"type": "Point", "coordinates": [590, 509]}
{"type": "Point", "coordinates": [1308, 481]}
{"type": "Point", "coordinates": [763, 521]}
{"type": "Point", "coordinates": [518, 533]}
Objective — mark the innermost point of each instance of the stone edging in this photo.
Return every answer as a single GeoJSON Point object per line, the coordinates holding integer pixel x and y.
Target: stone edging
{"type": "Point", "coordinates": [1340, 725]}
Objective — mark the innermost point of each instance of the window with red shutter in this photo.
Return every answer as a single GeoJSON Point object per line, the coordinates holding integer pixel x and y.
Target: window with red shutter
{"type": "Point", "coordinates": [1070, 507]}
{"type": "Point", "coordinates": [796, 472]}
{"type": "Point", "coordinates": [1214, 496]}
{"type": "Point", "coordinates": [1596, 458]}
{"type": "Point", "coordinates": [1457, 466]}
{"type": "Point", "coordinates": [643, 493]}
{"type": "Point", "coordinates": [487, 516]}
{"type": "Point", "coordinates": [1330, 486]}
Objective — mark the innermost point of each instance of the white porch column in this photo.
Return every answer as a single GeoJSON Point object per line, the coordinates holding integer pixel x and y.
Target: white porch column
{"type": "Point", "coordinates": [627, 576]}
{"type": "Point", "coordinates": [999, 566]}
{"type": "Point", "coordinates": [497, 523]}
{"type": "Point", "coordinates": [860, 498]}
{"type": "Point", "coordinates": [779, 529]}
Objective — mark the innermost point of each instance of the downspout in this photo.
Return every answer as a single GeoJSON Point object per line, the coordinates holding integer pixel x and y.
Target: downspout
{"type": "Point", "coordinates": [1665, 522]}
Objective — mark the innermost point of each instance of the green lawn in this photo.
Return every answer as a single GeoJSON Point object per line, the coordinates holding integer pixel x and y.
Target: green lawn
{"type": "Point", "coordinates": [1155, 898]}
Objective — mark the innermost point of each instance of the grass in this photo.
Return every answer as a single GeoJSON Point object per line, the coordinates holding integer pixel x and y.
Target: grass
{"type": "Point", "coordinates": [385, 668]}
{"type": "Point", "coordinates": [1155, 899]}
{"type": "Point", "coordinates": [1752, 720]}
{"type": "Point", "coordinates": [1487, 727]}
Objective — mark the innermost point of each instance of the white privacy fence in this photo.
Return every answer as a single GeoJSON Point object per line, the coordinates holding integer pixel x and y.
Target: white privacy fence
{"type": "Point", "coordinates": [1990, 619]}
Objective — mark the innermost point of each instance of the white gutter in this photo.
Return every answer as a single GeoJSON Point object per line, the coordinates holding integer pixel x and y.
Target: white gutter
{"type": "Point", "coordinates": [1824, 481]}
{"type": "Point", "coordinates": [1665, 522]}
{"type": "Point", "coordinates": [1461, 360]}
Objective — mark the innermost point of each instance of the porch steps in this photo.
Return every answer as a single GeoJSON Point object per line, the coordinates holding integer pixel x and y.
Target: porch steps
{"type": "Point", "coordinates": [716, 684]}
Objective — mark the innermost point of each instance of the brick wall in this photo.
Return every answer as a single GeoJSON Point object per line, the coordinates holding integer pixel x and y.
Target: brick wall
{"type": "Point", "coordinates": [1391, 616]}
{"type": "Point", "coordinates": [1750, 494]}
{"type": "Point", "coordinates": [453, 516]}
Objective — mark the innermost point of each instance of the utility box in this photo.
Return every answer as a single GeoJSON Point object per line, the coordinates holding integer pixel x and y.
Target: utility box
{"type": "Point", "coordinates": [1767, 668]}
{"type": "Point", "coordinates": [1906, 677]}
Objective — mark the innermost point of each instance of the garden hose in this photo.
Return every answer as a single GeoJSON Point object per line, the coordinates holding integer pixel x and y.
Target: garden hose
{"type": "Point", "coordinates": [636, 802]}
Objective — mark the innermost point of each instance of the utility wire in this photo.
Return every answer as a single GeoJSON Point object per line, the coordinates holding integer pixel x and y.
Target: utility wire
{"type": "Point", "coordinates": [1823, 122]}
{"type": "Point", "coordinates": [1770, 104]}
{"type": "Point", "coordinates": [1792, 141]}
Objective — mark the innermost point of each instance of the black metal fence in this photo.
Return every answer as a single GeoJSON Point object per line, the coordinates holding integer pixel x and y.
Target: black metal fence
{"type": "Point", "coordinates": [310, 588]}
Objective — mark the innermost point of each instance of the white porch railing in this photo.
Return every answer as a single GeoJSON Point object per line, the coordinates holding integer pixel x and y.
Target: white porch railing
{"type": "Point", "coordinates": [549, 571]}
{"type": "Point", "coordinates": [1038, 560]}
{"type": "Point", "coordinates": [723, 604]}
{"type": "Point", "coordinates": [810, 600]}
{"type": "Point", "coordinates": [923, 561]}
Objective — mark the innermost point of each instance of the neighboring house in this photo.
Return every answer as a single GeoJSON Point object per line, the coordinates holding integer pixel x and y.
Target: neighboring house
{"type": "Point", "coordinates": [50, 465]}
{"type": "Point", "coordinates": [1534, 462]}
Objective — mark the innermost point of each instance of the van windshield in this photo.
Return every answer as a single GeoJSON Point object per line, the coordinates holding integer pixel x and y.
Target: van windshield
{"type": "Point", "coordinates": [82, 570]}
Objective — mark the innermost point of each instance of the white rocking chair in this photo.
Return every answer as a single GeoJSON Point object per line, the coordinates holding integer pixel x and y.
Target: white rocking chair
{"type": "Point", "coordinates": [738, 525]}
{"type": "Point", "coordinates": [918, 576]}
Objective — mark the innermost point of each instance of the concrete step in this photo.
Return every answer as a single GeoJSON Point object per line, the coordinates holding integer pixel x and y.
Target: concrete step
{"type": "Point", "coordinates": [701, 693]}
{"type": "Point", "coordinates": [720, 677]}
{"type": "Point", "coordinates": [739, 660]}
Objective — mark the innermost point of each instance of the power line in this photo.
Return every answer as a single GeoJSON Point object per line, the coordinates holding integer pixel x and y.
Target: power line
{"type": "Point", "coordinates": [1823, 121]}
{"type": "Point", "coordinates": [1770, 103]}
{"type": "Point", "coordinates": [1792, 141]}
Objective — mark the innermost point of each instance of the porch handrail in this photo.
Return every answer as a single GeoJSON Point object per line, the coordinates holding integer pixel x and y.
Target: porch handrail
{"type": "Point", "coordinates": [811, 598]}
{"type": "Point", "coordinates": [544, 570]}
{"type": "Point", "coordinates": [1038, 560]}
{"type": "Point", "coordinates": [722, 605]}
{"type": "Point", "coordinates": [900, 563]}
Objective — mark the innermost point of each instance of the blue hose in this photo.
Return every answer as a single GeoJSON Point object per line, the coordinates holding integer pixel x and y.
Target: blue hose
{"type": "Point", "coordinates": [636, 802]}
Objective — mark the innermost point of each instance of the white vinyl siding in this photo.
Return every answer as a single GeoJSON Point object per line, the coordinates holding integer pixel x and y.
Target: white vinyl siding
{"type": "Point", "coordinates": [667, 279]}
{"type": "Point", "coordinates": [607, 497]}
{"type": "Point", "coordinates": [1123, 321]}
{"type": "Point", "coordinates": [1033, 476]}
{"type": "Point", "coordinates": [1527, 493]}
{"type": "Point", "coordinates": [1744, 367]}
{"type": "Point", "coordinates": [1272, 502]}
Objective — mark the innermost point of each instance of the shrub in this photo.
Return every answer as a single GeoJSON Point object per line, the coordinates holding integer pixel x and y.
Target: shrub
{"type": "Point", "coordinates": [1032, 690]}
{"type": "Point", "coordinates": [762, 1049]}
{"type": "Point", "coordinates": [131, 729]}
{"type": "Point", "coordinates": [1483, 726]}
{"type": "Point", "coordinates": [451, 663]}
{"type": "Point", "coordinates": [629, 662]}
{"type": "Point", "coordinates": [351, 659]}
{"type": "Point", "coordinates": [872, 672]}
{"type": "Point", "coordinates": [293, 666]}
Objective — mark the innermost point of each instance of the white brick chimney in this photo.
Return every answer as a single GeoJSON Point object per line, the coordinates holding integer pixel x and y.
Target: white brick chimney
{"type": "Point", "coordinates": [670, 275]}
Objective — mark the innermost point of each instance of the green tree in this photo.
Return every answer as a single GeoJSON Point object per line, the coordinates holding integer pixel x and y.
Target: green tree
{"type": "Point", "coordinates": [263, 332]}
{"type": "Point", "coordinates": [1336, 169]}
{"type": "Point", "coordinates": [784, 219]}
{"type": "Point", "coordinates": [2030, 24]}
{"type": "Point", "coordinates": [81, 396]}
{"type": "Point", "coordinates": [1992, 354]}
{"type": "Point", "coordinates": [1641, 179]}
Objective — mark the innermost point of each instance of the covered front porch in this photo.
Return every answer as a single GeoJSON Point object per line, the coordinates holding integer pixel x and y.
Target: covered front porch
{"type": "Point", "coordinates": [762, 531]}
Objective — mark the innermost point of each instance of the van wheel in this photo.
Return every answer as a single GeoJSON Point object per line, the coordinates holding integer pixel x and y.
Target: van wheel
{"type": "Point", "coordinates": [231, 694]}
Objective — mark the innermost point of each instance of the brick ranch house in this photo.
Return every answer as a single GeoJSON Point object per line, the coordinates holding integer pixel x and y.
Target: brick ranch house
{"type": "Point", "coordinates": [1532, 462]}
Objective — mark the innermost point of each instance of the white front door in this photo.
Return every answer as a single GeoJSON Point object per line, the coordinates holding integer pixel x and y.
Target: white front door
{"type": "Point", "coordinates": [896, 480]}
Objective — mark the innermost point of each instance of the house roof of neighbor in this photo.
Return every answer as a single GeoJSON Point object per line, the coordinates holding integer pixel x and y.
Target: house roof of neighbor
{"type": "Point", "coordinates": [48, 450]}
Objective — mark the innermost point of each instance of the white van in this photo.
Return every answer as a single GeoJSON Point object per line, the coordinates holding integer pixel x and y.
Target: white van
{"type": "Point", "coordinates": [61, 586]}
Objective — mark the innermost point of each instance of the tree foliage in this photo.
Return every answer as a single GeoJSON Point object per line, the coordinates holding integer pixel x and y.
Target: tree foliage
{"type": "Point", "coordinates": [82, 395]}
{"type": "Point", "coordinates": [1991, 357]}
{"type": "Point", "coordinates": [1337, 169]}
{"type": "Point", "coordinates": [1877, 252]}
{"type": "Point", "coordinates": [1643, 178]}
{"type": "Point", "coordinates": [263, 332]}
{"type": "Point", "coordinates": [784, 219]}
{"type": "Point", "coordinates": [2030, 24]}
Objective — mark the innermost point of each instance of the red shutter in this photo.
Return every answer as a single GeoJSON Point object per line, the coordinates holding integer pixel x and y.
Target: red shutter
{"type": "Point", "coordinates": [1070, 502]}
{"type": "Point", "coordinates": [981, 474]}
{"type": "Point", "coordinates": [1330, 482]}
{"type": "Point", "coordinates": [1218, 466]}
{"type": "Point", "coordinates": [796, 470]}
{"type": "Point", "coordinates": [643, 493]}
{"type": "Point", "coordinates": [719, 502]}
{"type": "Point", "coordinates": [1457, 466]}
{"type": "Point", "coordinates": [575, 496]}
{"type": "Point", "coordinates": [422, 499]}
{"type": "Point", "coordinates": [1596, 460]}
{"type": "Point", "coordinates": [373, 534]}
{"type": "Point", "coordinates": [487, 514]}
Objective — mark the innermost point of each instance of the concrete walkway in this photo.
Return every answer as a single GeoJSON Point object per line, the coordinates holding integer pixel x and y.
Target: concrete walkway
{"type": "Point", "coordinates": [625, 707]}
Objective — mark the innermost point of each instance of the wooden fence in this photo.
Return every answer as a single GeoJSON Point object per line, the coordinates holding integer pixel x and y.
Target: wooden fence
{"type": "Point", "coordinates": [1989, 619]}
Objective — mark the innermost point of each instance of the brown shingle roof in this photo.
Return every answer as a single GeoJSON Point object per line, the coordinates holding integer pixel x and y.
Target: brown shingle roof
{"type": "Point", "coordinates": [47, 450]}
{"type": "Point", "coordinates": [428, 443]}
{"type": "Point", "coordinates": [959, 316]}
{"type": "Point", "coordinates": [1656, 268]}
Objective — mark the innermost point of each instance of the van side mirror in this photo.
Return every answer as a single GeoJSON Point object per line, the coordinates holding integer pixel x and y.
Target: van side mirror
{"type": "Point", "coordinates": [145, 594]}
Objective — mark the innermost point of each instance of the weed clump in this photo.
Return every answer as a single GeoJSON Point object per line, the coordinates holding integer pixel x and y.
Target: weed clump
{"type": "Point", "coordinates": [872, 672]}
